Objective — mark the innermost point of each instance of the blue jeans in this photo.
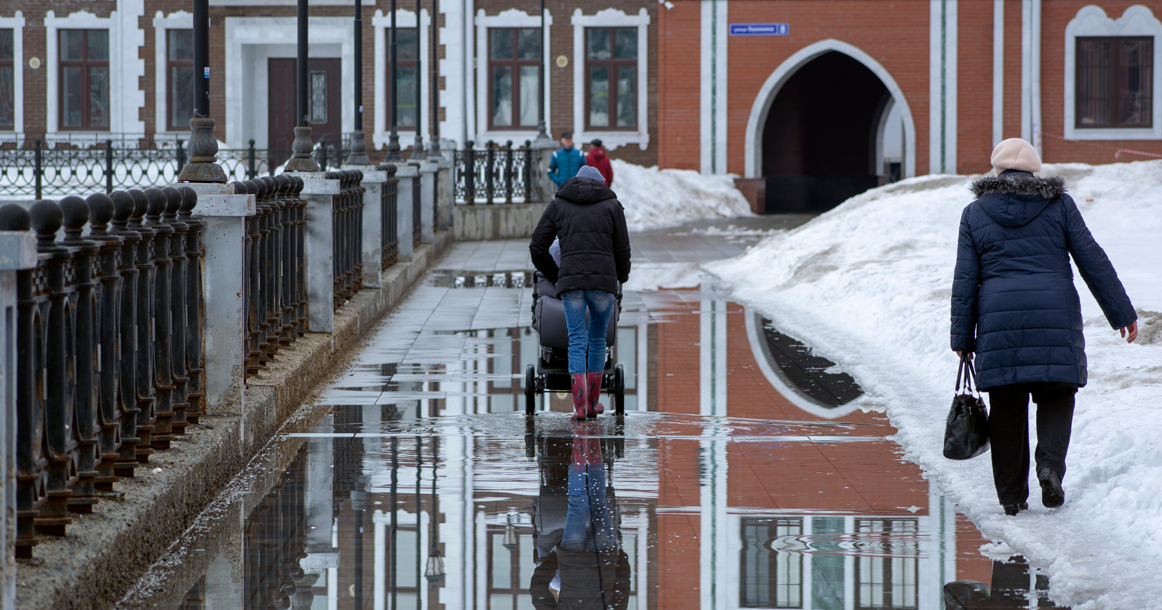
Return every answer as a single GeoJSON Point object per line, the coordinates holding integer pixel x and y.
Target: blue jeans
{"type": "Point", "coordinates": [588, 508]}
{"type": "Point", "coordinates": [600, 306]}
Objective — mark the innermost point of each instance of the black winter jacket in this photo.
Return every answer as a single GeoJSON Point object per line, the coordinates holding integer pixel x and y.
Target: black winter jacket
{"type": "Point", "coordinates": [590, 222]}
{"type": "Point", "coordinates": [1013, 299]}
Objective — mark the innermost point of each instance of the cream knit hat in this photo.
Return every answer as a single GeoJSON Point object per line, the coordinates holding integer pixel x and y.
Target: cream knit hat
{"type": "Point", "coordinates": [1017, 154]}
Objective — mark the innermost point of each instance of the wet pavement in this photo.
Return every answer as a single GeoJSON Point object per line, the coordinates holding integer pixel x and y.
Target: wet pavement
{"type": "Point", "coordinates": [744, 473]}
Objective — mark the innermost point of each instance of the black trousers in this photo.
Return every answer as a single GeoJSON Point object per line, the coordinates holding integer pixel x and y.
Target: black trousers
{"type": "Point", "coordinates": [1009, 433]}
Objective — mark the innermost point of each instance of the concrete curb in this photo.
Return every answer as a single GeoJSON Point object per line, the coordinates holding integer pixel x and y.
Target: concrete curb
{"type": "Point", "coordinates": [106, 552]}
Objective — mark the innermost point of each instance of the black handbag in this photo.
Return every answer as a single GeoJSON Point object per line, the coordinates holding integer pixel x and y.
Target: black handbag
{"type": "Point", "coordinates": [966, 434]}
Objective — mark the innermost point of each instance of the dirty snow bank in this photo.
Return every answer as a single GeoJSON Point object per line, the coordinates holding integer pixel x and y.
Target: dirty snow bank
{"type": "Point", "coordinates": [868, 285]}
{"type": "Point", "coordinates": [655, 199]}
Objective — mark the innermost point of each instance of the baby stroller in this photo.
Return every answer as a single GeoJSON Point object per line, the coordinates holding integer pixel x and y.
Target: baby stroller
{"type": "Point", "coordinates": [552, 370]}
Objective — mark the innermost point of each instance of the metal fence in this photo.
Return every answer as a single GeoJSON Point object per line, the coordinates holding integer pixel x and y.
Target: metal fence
{"type": "Point", "coordinates": [388, 201]}
{"type": "Point", "coordinates": [36, 168]}
{"type": "Point", "coordinates": [494, 174]}
{"type": "Point", "coordinates": [90, 411]}
{"type": "Point", "coordinates": [276, 285]}
{"type": "Point", "coordinates": [347, 235]}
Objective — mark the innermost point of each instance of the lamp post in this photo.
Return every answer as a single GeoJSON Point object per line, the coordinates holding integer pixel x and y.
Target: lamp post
{"type": "Point", "coordinates": [542, 128]}
{"type": "Point", "coordinates": [434, 150]}
{"type": "Point", "coordinates": [393, 152]}
{"type": "Point", "coordinates": [302, 161]}
{"type": "Point", "coordinates": [203, 166]}
{"type": "Point", "coordinates": [418, 147]}
{"type": "Point", "coordinates": [358, 154]}
{"type": "Point", "coordinates": [434, 570]}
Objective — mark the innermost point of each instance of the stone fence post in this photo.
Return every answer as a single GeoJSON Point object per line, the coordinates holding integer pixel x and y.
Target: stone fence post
{"type": "Point", "coordinates": [373, 180]}
{"type": "Point", "coordinates": [224, 288]}
{"type": "Point", "coordinates": [428, 203]}
{"type": "Point", "coordinates": [17, 253]}
{"type": "Point", "coordinates": [404, 221]}
{"type": "Point", "coordinates": [544, 189]}
{"type": "Point", "coordinates": [445, 192]}
{"type": "Point", "coordinates": [320, 193]}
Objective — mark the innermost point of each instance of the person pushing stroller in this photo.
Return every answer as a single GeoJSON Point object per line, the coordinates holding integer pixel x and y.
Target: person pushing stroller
{"type": "Point", "coordinates": [595, 256]}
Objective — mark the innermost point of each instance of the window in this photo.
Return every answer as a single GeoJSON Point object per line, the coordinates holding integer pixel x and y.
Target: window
{"type": "Point", "coordinates": [514, 77]}
{"type": "Point", "coordinates": [180, 68]}
{"type": "Point", "coordinates": [890, 578]}
{"type": "Point", "coordinates": [318, 96]}
{"type": "Point", "coordinates": [7, 81]}
{"type": "Point", "coordinates": [84, 79]}
{"type": "Point", "coordinates": [611, 78]}
{"type": "Point", "coordinates": [770, 579]}
{"type": "Point", "coordinates": [1115, 80]}
{"type": "Point", "coordinates": [406, 70]}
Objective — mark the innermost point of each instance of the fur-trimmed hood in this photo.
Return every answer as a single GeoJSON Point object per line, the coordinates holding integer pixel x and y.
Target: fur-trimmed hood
{"type": "Point", "coordinates": [1013, 199]}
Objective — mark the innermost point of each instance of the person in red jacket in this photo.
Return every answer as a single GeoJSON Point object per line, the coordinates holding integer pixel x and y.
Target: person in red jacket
{"type": "Point", "coordinates": [597, 158]}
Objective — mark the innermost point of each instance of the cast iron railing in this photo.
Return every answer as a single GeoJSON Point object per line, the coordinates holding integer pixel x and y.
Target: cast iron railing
{"type": "Point", "coordinates": [276, 293]}
{"type": "Point", "coordinates": [417, 210]}
{"type": "Point", "coordinates": [347, 235]}
{"type": "Point", "coordinates": [493, 174]}
{"type": "Point", "coordinates": [109, 346]}
{"type": "Point", "coordinates": [36, 168]}
{"type": "Point", "coordinates": [389, 215]}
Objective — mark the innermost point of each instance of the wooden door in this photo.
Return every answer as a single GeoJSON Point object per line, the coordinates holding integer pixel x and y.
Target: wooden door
{"type": "Point", "coordinates": [323, 99]}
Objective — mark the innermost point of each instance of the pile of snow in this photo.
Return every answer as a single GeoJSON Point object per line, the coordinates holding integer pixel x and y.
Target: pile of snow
{"type": "Point", "coordinates": [868, 286]}
{"type": "Point", "coordinates": [656, 199]}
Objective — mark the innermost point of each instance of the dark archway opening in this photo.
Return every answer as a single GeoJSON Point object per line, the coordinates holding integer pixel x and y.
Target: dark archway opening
{"type": "Point", "coordinates": [820, 137]}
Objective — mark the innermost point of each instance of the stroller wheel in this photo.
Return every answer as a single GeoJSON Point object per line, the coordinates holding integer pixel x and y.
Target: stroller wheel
{"type": "Point", "coordinates": [618, 390]}
{"type": "Point", "coordinates": [530, 390]}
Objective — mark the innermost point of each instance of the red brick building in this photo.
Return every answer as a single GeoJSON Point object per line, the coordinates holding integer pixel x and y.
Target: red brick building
{"type": "Point", "coordinates": [812, 100]}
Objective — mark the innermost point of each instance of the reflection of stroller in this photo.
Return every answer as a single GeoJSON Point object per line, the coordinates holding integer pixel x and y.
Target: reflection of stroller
{"type": "Point", "coordinates": [552, 370]}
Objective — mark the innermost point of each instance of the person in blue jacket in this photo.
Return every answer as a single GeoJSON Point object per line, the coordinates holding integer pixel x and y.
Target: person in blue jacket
{"type": "Point", "coordinates": [1015, 308]}
{"type": "Point", "coordinates": [566, 162]}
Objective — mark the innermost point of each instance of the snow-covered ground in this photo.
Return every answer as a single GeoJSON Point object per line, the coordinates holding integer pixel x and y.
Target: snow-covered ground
{"type": "Point", "coordinates": [656, 199]}
{"type": "Point", "coordinates": [868, 286]}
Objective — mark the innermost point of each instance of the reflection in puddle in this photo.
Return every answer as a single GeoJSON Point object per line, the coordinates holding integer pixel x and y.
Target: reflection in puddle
{"type": "Point", "coordinates": [744, 475]}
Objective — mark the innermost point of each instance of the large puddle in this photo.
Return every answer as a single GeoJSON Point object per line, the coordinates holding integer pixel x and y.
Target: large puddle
{"type": "Point", "coordinates": [743, 475]}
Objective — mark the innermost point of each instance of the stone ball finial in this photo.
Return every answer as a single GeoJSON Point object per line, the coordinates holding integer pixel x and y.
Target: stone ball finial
{"type": "Point", "coordinates": [46, 221]}
{"type": "Point", "coordinates": [13, 217]}
{"type": "Point", "coordinates": [123, 205]}
{"type": "Point", "coordinates": [284, 183]}
{"type": "Point", "coordinates": [101, 209]}
{"type": "Point", "coordinates": [157, 202]}
{"type": "Point", "coordinates": [189, 199]}
{"type": "Point", "coordinates": [74, 216]}
{"type": "Point", "coordinates": [173, 201]}
{"type": "Point", "coordinates": [140, 203]}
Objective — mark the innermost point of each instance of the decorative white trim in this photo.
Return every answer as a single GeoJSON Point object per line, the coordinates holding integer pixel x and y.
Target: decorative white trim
{"type": "Point", "coordinates": [614, 18]}
{"type": "Point", "coordinates": [453, 67]}
{"type": "Point", "coordinates": [757, 339]}
{"type": "Point", "coordinates": [179, 20]}
{"type": "Point", "coordinates": [942, 87]}
{"type": "Point", "coordinates": [1092, 21]}
{"type": "Point", "coordinates": [1035, 125]}
{"type": "Point", "coordinates": [251, 42]}
{"type": "Point", "coordinates": [382, 23]}
{"type": "Point", "coordinates": [512, 18]}
{"type": "Point", "coordinates": [778, 78]}
{"type": "Point", "coordinates": [125, 67]}
{"type": "Point", "coordinates": [714, 86]}
{"type": "Point", "coordinates": [998, 71]}
{"type": "Point", "coordinates": [16, 22]}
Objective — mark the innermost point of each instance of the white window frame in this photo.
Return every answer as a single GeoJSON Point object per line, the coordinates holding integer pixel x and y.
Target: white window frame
{"type": "Point", "coordinates": [511, 18]}
{"type": "Point", "coordinates": [125, 68]}
{"type": "Point", "coordinates": [612, 18]}
{"type": "Point", "coordinates": [16, 24]}
{"type": "Point", "coordinates": [382, 23]}
{"type": "Point", "coordinates": [1093, 21]}
{"type": "Point", "coordinates": [180, 20]}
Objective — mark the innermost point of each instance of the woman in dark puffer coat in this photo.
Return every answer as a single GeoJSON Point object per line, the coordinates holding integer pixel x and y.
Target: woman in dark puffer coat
{"type": "Point", "coordinates": [1015, 307]}
{"type": "Point", "coordinates": [590, 222]}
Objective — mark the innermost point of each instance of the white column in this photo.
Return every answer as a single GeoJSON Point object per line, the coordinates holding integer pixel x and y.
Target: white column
{"type": "Point", "coordinates": [942, 87]}
{"type": "Point", "coordinates": [998, 71]}
{"type": "Point", "coordinates": [224, 289]}
{"type": "Point", "coordinates": [373, 180]}
{"type": "Point", "coordinates": [714, 83]}
{"type": "Point", "coordinates": [713, 535]}
{"type": "Point", "coordinates": [17, 252]}
{"type": "Point", "coordinates": [1035, 75]}
{"type": "Point", "coordinates": [320, 193]}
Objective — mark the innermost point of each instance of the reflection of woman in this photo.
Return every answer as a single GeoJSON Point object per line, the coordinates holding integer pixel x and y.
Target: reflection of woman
{"type": "Point", "coordinates": [580, 563]}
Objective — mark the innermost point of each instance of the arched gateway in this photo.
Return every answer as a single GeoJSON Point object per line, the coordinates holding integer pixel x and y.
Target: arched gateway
{"type": "Point", "coordinates": [820, 126]}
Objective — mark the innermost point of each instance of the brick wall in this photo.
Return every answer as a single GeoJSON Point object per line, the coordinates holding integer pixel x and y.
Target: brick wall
{"type": "Point", "coordinates": [679, 103]}
{"type": "Point", "coordinates": [974, 92]}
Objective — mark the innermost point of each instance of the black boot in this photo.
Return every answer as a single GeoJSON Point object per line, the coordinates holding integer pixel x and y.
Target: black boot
{"type": "Point", "coordinates": [1013, 509]}
{"type": "Point", "coordinates": [1052, 495]}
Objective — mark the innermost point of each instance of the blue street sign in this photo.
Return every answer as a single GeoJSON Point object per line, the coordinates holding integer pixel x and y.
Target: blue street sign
{"type": "Point", "coordinates": [760, 29]}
